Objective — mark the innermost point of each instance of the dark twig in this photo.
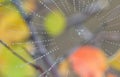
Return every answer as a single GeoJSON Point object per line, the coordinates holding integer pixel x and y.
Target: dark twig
{"type": "Point", "coordinates": [21, 58]}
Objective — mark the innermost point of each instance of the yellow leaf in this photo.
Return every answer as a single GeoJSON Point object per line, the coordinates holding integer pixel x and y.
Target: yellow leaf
{"type": "Point", "coordinates": [12, 26]}
{"type": "Point", "coordinates": [64, 68]}
{"type": "Point", "coordinates": [29, 5]}
{"type": "Point", "coordinates": [114, 61]}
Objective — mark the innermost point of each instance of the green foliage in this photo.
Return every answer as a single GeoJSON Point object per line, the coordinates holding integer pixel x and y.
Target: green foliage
{"type": "Point", "coordinates": [55, 23]}
{"type": "Point", "coordinates": [12, 66]}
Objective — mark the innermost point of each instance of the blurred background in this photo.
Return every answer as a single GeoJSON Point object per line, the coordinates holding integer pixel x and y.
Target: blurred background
{"type": "Point", "coordinates": [59, 38]}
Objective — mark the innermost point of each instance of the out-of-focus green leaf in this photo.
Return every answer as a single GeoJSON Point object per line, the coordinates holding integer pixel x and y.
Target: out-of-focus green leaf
{"type": "Point", "coordinates": [12, 66]}
{"type": "Point", "coordinates": [55, 23]}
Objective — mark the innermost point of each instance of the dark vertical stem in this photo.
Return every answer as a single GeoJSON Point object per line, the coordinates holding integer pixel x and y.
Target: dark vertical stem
{"type": "Point", "coordinates": [40, 47]}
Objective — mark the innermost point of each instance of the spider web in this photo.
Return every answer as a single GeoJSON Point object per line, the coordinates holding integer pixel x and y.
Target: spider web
{"type": "Point", "coordinates": [57, 48]}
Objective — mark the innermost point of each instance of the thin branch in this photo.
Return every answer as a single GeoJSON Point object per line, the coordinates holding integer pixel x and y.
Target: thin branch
{"type": "Point", "coordinates": [21, 58]}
